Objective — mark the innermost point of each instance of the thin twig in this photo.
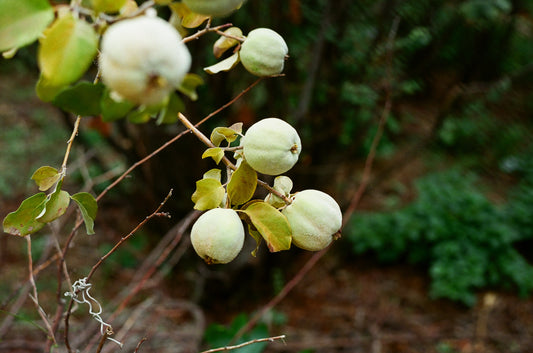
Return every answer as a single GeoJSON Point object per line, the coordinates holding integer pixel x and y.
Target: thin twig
{"type": "Point", "coordinates": [35, 297]}
{"type": "Point", "coordinates": [69, 144]}
{"type": "Point", "coordinates": [123, 239]}
{"type": "Point", "coordinates": [139, 344]}
{"type": "Point", "coordinates": [239, 39]}
{"type": "Point", "coordinates": [233, 100]}
{"type": "Point", "coordinates": [258, 340]}
{"type": "Point", "coordinates": [207, 29]}
{"type": "Point", "coordinates": [102, 341]}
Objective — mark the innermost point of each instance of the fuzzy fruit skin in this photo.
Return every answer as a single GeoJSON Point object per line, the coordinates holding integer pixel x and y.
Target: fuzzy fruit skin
{"type": "Point", "coordinates": [314, 217]}
{"type": "Point", "coordinates": [263, 52]}
{"type": "Point", "coordinates": [143, 59]}
{"type": "Point", "coordinates": [216, 8]}
{"type": "Point", "coordinates": [271, 146]}
{"type": "Point", "coordinates": [217, 236]}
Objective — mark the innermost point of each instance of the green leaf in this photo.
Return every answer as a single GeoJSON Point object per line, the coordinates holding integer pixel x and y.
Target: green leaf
{"type": "Point", "coordinates": [88, 208]}
{"type": "Point", "coordinates": [23, 221]}
{"type": "Point", "coordinates": [23, 21]}
{"type": "Point", "coordinates": [189, 85]}
{"type": "Point", "coordinates": [224, 43]}
{"type": "Point", "coordinates": [213, 174]}
{"type": "Point", "coordinates": [55, 206]}
{"type": "Point", "coordinates": [81, 99]}
{"type": "Point", "coordinates": [47, 91]}
{"type": "Point", "coordinates": [224, 65]}
{"type": "Point", "coordinates": [209, 194]}
{"type": "Point", "coordinates": [139, 116]}
{"type": "Point", "coordinates": [220, 134]}
{"type": "Point", "coordinates": [112, 109]}
{"type": "Point", "coordinates": [45, 177]}
{"type": "Point", "coordinates": [169, 114]}
{"type": "Point", "coordinates": [272, 225]}
{"type": "Point", "coordinates": [216, 153]}
{"type": "Point", "coordinates": [109, 6]}
{"type": "Point", "coordinates": [242, 185]}
{"type": "Point", "coordinates": [66, 50]}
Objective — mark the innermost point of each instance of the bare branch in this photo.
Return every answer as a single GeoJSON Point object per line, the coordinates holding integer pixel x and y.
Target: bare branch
{"type": "Point", "coordinates": [229, 348]}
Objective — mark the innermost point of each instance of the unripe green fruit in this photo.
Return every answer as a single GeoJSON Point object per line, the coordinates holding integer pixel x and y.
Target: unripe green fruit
{"type": "Point", "coordinates": [271, 146]}
{"type": "Point", "coordinates": [143, 59]}
{"type": "Point", "coordinates": [216, 8]}
{"type": "Point", "coordinates": [263, 52]}
{"type": "Point", "coordinates": [314, 217]}
{"type": "Point", "coordinates": [218, 235]}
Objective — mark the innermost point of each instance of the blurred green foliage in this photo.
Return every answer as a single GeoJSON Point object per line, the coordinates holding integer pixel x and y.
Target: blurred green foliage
{"type": "Point", "coordinates": [465, 241]}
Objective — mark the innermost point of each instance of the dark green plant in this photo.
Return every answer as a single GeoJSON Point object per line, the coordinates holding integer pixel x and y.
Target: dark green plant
{"type": "Point", "coordinates": [464, 240]}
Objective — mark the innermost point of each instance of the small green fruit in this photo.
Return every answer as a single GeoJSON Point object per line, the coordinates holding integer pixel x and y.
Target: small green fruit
{"type": "Point", "coordinates": [271, 146]}
{"type": "Point", "coordinates": [314, 217]}
{"type": "Point", "coordinates": [263, 52]}
{"type": "Point", "coordinates": [143, 59]}
{"type": "Point", "coordinates": [217, 8]}
{"type": "Point", "coordinates": [218, 235]}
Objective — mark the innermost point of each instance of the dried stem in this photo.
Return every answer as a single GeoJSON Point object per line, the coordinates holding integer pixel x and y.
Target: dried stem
{"type": "Point", "coordinates": [229, 348]}
{"type": "Point", "coordinates": [207, 29]}
{"type": "Point", "coordinates": [123, 239]}
{"type": "Point", "coordinates": [240, 39]}
{"type": "Point", "coordinates": [69, 144]}
{"type": "Point", "coordinates": [35, 297]}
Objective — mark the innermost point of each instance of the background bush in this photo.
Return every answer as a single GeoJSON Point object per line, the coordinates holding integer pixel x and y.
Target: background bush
{"type": "Point", "coordinates": [465, 241]}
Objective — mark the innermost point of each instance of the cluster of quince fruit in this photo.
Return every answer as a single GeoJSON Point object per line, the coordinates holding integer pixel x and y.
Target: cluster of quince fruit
{"type": "Point", "coordinates": [143, 59]}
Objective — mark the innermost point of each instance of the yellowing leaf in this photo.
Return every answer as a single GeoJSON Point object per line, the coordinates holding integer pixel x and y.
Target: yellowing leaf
{"type": "Point", "coordinates": [224, 43]}
{"type": "Point", "coordinates": [23, 221]}
{"type": "Point", "coordinates": [224, 65]}
{"type": "Point", "coordinates": [23, 21]}
{"type": "Point", "coordinates": [220, 134]}
{"type": "Point", "coordinates": [257, 237]}
{"type": "Point", "coordinates": [46, 91]}
{"type": "Point", "coordinates": [213, 174]}
{"type": "Point", "coordinates": [209, 194]}
{"type": "Point", "coordinates": [242, 185]}
{"type": "Point", "coordinates": [88, 208]}
{"type": "Point", "coordinates": [66, 50]}
{"type": "Point", "coordinates": [271, 224]}
{"type": "Point", "coordinates": [189, 19]}
{"type": "Point", "coordinates": [45, 177]}
{"type": "Point", "coordinates": [216, 153]}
